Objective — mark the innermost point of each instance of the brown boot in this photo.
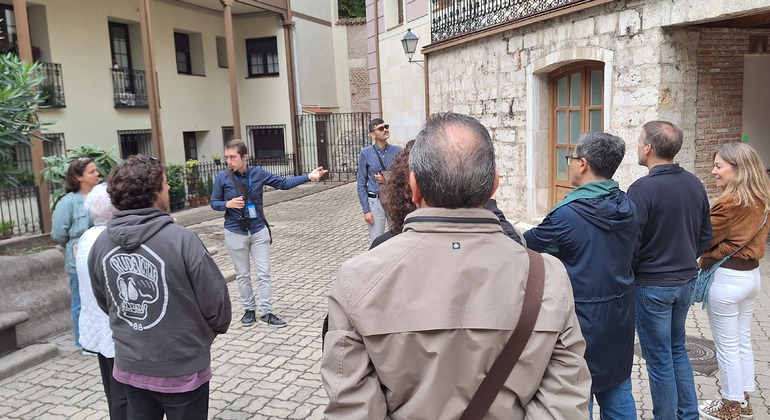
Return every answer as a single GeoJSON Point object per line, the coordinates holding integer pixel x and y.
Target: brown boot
{"type": "Point", "coordinates": [722, 410]}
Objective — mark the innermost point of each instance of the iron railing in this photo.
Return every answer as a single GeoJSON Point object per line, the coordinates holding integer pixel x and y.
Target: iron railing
{"type": "Point", "coordinates": [20, 211]}
{"type": "Point", "coordinates": [129, 88]}
{"type": "Point", "coordinates": [451, 18]}
{"type": "Point", "coordinates": [333, 141]}
{"type": "Point", "coordinates": [199, 180]}
{"type": "Point", "coordinates": [53, 85]}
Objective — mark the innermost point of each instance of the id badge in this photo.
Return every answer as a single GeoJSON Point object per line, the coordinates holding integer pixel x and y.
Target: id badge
{"type": "Point", "coordinates": [252, 211]}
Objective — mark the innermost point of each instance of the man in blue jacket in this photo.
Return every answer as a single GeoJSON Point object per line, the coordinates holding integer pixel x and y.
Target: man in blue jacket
{"type": "Point", "coordinates": [593, 232]}
{"type": "Point", "coordinates": [238, 192]}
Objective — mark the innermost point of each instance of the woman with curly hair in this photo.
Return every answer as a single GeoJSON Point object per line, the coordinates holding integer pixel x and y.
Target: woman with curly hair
{"type": "Point", "coordinates": [738, 221]}
{"type": "Point", "coordinates": [70, 220]}
{"type": "Point", "coordinates": [397, 195]}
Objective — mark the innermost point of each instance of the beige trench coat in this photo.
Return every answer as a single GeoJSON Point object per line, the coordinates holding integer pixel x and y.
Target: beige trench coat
{"type": "Point", "coordinates": [415, 324]}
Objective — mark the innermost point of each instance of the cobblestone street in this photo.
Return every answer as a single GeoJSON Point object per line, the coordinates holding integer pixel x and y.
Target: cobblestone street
{"type": "Point", "coordinates": [265, 373]}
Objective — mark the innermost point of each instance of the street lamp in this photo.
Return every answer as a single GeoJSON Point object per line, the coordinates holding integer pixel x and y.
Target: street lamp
{"type": "Point", "coordinates": [409, 42]}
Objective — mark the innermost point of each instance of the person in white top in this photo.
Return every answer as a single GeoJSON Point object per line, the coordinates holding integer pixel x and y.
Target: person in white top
{"type": "Point", "coordinates": [94, 324]}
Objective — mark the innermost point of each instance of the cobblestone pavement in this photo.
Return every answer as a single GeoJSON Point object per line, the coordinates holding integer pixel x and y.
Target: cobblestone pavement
{"type": "Point", "coordinates": [266, 373]}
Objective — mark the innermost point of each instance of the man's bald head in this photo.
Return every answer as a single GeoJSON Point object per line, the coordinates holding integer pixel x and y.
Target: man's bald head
{"type": "Point", "coordinates": [453, 161]}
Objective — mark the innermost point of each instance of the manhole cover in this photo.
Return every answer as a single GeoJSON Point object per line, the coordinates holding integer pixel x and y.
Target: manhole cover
{"type": "Point", "coordinates": [702, 354]}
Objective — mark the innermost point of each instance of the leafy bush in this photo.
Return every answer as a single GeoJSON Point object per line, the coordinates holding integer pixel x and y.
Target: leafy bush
{"type": "Point", "coordinates": [351, 8]}
{"type": "Point", "coordinates": [56, 166]}
{"type": "Point", "coordinates": [20, 98]}
{"type": "Point", "coordinates": [175, 175]}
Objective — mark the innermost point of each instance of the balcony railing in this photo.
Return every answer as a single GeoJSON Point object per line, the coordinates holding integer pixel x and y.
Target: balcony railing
{"type": "Point", "coordinates": [459, 17]}
{"type": "Point", "coordinates": [129, 88]}
{"type": "Point", "coordinates": [53, 86]}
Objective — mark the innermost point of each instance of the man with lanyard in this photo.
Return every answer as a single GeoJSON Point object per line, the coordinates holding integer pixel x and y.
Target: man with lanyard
{"type": "Point", "coordinates": [238, 192]}
{"type": "Point", "coordinates": [372, 162]}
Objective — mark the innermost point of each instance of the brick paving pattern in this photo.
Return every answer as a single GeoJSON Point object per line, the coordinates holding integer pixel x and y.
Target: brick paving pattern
{"type": "Point", "coordinates": [265, 373]}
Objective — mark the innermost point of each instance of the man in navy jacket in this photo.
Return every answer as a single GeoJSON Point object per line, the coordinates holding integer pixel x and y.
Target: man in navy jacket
{"type": "Point", "coordinates": [593, 232]}
{"type": "Point", "coordinates": [674, 229]}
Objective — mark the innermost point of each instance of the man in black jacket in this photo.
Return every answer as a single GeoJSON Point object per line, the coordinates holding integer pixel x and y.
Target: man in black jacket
{"type": "Point", "coordinates": [164, 294]}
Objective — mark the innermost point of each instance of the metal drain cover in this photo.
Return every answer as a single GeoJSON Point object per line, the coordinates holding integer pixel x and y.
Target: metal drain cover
{"type": "Point", "coordinates": [702, 354]}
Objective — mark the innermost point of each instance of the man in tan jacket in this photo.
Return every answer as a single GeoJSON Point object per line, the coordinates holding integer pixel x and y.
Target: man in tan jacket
{"type": "Point", "coordinates": [415, 326]}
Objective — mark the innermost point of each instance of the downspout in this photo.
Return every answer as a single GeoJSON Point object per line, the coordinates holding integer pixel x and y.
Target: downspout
{"type": "Point", "coordinates": [36, 145]}
{"type": "Point", "coordinates": [295, 106]}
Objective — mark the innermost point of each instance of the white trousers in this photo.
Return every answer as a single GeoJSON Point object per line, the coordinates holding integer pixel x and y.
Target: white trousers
{"type": "Point", "coordinates": [730, 305]}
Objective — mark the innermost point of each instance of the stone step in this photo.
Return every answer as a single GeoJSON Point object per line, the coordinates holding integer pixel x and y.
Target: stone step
{"type": "Point", "coordinates": [8, 323]}
{"type": "Point", "coordinates": [25, 358]}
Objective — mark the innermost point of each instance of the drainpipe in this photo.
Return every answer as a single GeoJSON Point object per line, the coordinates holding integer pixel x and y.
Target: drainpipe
{"type": "Point", "coordinates": [36, 145]}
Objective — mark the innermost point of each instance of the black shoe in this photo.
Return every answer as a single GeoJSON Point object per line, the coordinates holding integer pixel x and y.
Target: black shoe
{"type": "Point", "coordinates": [273, 320]}
{"type": "Point", "coordinates": [249, 318]}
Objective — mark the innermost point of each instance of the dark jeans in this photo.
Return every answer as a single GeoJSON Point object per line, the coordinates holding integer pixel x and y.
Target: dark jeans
{"type": "Point", "coordinates": [114, 390]}
{"type": "Point", "coordinates": [150, 405]}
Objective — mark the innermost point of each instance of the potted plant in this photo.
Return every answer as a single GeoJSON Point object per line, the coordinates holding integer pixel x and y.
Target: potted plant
{"type": "Point", "coordinates": [6, 229]}
{"type": "Point", "coordinates": [217, 158]}
{"type": "Point", "coordinates": [176, 181]}
{"type": "Point", "coordinates": [193, 176]}
{"type": "Point", "coordinates": [206, 186]}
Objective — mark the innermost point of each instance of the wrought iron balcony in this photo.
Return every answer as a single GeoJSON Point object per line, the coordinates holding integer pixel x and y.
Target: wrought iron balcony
{"type": "Point", "coordinates": [459, 17]}
{"type": "Point", "coordinates": [129, 88]}
{"type": "Point", "coordinates": [53, 86]}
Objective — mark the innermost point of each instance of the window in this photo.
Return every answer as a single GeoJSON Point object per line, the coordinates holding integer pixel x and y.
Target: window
{"type": "Point", "coordinates": [262, 54]}
{"type": "Point", "coordinates": [182, 48]}
{"type": "Point", "coordinates": [134, 142]}
{"type": "Point", "coordinates": [394, 13]}
{"type": "Point", "coordinates": [120, 46]}
{"type": "Point", "coordinates": [7, 28]}
{"type": "Point", "coordinates": [22, 153]}
{"type": "Point", "coordinates": [190, 145]}
{"type": "Point", "coordinates": [221, 52]}
{"type": "Point", "coordinates": [227, 134]}
{"type": "Point", "coordinates": [577, 106]}
{"type": "Point", "coordinates": [267, 141]}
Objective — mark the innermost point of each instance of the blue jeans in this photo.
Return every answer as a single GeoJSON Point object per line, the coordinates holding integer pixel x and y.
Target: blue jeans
{"type": "Point", "coordinates": [661, 312]}
{"type": "Point", "coordinates": [75, 291]}
{"type": "Point", "coordinates": [616, 403]}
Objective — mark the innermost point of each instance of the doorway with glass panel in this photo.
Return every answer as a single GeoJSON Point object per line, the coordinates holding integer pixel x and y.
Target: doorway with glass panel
{"type": "Point", "coordinates": [577, 106]}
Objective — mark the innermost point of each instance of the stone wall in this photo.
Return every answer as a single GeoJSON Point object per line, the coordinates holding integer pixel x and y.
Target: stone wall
{"type": "Point", "coordinates": [652, 63]}
{"type": "Point", "coordinates": [359, 74]}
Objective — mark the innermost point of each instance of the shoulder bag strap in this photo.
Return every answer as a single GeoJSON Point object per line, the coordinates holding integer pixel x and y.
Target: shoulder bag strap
{"type": "Point", "coordinates": [503, 365]}
{"type": "Point", "coordinates": [382, 165]}
{"type": "Point", "coordinates": [246, 193]}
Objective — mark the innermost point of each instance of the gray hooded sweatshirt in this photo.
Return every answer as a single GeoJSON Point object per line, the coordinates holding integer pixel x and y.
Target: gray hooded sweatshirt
{"type": "Point", "coordinates": [164, 294]}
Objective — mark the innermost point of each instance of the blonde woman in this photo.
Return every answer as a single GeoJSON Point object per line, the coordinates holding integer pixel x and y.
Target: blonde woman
{"type": "Point", "coordinates": [736, 217]}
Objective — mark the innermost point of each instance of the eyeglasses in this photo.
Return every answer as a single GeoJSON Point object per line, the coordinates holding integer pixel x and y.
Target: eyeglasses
{"type": "Point", "coordinates": [84, 159]}
{"type": "Point", "coordinates": [571, 158]}
{"type": "Point", "coordinates": [383, 128]}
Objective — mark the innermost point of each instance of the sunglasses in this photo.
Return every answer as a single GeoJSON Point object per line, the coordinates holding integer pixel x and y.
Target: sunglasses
{"type": "Point", "coordinates": [383, 128]}
{"type": "Point", "coordinates": [84, 159]}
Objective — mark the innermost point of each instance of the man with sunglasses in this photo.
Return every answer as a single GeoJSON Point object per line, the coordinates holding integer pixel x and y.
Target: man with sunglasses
{"type": "Point", "coordinates": [373, 164]}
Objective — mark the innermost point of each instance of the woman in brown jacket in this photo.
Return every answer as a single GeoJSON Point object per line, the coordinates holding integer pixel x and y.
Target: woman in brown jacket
{"type": "Point", "coordinates": [736, 217]}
